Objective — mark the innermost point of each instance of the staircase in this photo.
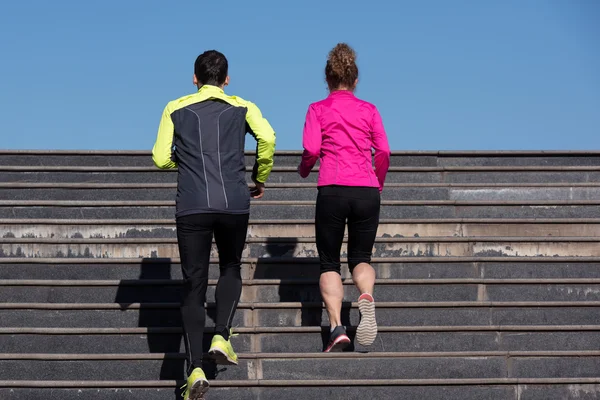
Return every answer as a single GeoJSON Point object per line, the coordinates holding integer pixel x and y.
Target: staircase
{"type": "Point", "coordinates": [488, 287]}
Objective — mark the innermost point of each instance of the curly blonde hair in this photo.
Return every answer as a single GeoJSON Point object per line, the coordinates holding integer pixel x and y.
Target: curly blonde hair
{"type": "Point", "coordinates": [341, 69]}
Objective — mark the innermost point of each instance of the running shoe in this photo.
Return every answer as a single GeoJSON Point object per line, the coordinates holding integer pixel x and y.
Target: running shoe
{"type": "Point", "coordinates": [221, 350]}
{"type": "Point", "coordinates": [338, 340]}
{"type": "Point", "coordinates": [367, 328]}
{"type": "Point", "coordinates": [196, 385]}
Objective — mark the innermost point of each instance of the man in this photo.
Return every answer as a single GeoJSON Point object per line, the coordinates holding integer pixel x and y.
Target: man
{"type": "Point", "coordinates": [203, 134]}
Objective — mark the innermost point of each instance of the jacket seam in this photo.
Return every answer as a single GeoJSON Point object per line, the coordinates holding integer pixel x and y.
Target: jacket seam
{"type": "Point", "coordinates": [202, 155]}
{"type": "Point", "coordinates": [219, 154]}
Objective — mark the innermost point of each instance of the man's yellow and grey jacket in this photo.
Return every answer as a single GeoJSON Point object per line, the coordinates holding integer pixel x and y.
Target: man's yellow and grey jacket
{"type": "Point", "coordinates": [203, 135]}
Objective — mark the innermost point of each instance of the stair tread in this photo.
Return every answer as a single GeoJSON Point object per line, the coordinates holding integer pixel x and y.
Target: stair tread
{"type": "Point", "coordinates": [286, 240]}
{"type": "Point", "coordinates": [432, 221]}
{"type": "Point", "coordinates": [303, 382]}
{"type": "Point", "coordinates": [447, 196]}
{"type": "Point", "coordinates": [170, 203]}
{"type": "Point", "coordinates": [292, 356]}
{"type": "Point", "coordinates": [291, 185]}
{"type": "Point", "coordinates": [303, 260]}
{"type": "Point", "coordinates": [299, 281]}
{"type": "Point", "coordinates": [297, 305]}
{"type": "Point", "coordinates": [150, 168]}
{"type": "Point", "coordinates": [302, 329]}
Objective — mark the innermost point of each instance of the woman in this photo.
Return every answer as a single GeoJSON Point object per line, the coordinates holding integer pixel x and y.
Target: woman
{"type": "Point", "coordinates": [341, 131]}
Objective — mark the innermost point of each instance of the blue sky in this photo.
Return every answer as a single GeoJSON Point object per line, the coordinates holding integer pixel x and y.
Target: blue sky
{"type": "Point", "coordinates": [460, 74]}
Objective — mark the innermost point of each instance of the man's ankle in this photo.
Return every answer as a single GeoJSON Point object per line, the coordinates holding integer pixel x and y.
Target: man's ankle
{"type": "Point", "coordinates": [223, 331]}
{"type": "Point", "coordinates": [191, 368]}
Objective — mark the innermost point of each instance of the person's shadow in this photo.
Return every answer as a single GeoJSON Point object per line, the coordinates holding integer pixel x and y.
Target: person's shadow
{"type": "Point", "coordinates": [299, 283]}
{"type": "Point", "coordinates": [158, 306]}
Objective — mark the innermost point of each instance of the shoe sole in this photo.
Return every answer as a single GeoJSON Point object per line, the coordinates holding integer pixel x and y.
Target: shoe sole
{"type": "Point", "coordinates": [367, 328]}
{"type": "Point", "coordinates": [198, 390]}
{"type": "Point", "coordinates": [220, 357]}
{"type": "Point", "coordinates": [339, 345]}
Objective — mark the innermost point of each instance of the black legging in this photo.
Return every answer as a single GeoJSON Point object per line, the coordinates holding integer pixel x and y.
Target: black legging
{"type": "Point", "coordinates": [336, 205]}
{"type": "Point", "coordinates": [194, 235]}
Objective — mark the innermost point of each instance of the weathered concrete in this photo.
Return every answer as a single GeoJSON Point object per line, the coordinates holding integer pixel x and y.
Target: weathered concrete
{"type": "Point", "coordinates": [293, 228]}
{"type": "Point", "coordinates": [151, 191]}
{"type": "Point", "coordinates": [440, 244]}
{"type": "Point", "coordinates": [385, 247]}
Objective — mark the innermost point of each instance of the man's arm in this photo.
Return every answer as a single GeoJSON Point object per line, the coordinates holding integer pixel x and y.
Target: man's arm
{"type": "Point", "coordinates": [264, 134]}
{"type": "Point", "coordinates": [162, 152]}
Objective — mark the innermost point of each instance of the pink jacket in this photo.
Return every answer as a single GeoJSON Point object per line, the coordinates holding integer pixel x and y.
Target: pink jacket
{"type": "Point", "coordinates": [342, 130]}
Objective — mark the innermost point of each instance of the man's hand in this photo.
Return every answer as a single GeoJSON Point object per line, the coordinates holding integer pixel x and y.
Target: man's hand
{"type": "Point", "coordinates": [258, 191]}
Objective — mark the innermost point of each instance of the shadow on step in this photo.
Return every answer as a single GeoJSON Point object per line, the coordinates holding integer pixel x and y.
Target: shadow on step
{"type": "Point", "coordinates": [293, 289]}
{"type": "Point", "coordinates": [131, 298]}
{"type": "Point", "coordinates": [154, 313]}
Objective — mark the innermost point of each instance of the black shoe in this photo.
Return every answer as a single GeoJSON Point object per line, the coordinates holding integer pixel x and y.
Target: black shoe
{"type": "Point", "coordinates": [338, 340]}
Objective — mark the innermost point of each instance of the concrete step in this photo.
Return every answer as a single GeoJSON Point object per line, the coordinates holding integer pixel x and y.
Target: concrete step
{"type": "Point", "coordinates": [301, 268]}
{"type": "Point", "coordinates": [306, 247]}
{"type": "Point", "coordinates": [152, 228]}
{"type": "Point", "coordinates": [290, 314]}
{"type": "Point", "coordinates": [307, 339]}
{"type": "Point", "coordinates": [270, 209]}
{"type": "Point", "coordinates": [386, 290]}
{"type": "Point", "coordinates": [433, 389]}
{"type": "Point", "coordinates": [282, 174]}
{"type": "Point", "coordinates": [473, 158]}
{"type": "Point", "coordinates": [293, 368]}
{"type": "Point", "coordinates": [119, 320]}
{"type": "Point", "coordinates": [166, 392]}
{"type": "Point", "coordinates": [300, 191]}
{"type": "Point", "coordinates": [311, 367]}
{"type": "Point", "coordinates": [292, 158]}
{"type": "Point", "coordinates": [144, 158]}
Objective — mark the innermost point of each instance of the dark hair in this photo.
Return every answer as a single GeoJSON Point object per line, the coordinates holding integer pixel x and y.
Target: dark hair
{"type": "Point", "coordinates": [341, 69]}
{"type": "Point", "coordinates": [211, 68]}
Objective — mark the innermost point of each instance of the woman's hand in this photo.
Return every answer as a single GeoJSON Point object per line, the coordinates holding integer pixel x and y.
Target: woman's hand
{"type": "Point", "coordinates": [303, 175]}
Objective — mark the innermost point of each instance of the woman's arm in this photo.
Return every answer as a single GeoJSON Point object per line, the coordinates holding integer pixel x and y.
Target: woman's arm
{"type": "Point", "coordinates": [311, 140]}
{"type": "Point", "coordinates": [382, 148]}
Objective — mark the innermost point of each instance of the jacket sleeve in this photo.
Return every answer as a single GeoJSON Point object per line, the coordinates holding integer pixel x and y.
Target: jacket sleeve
{"type": "Point", "coordinates": [311, 141]}
{"type": "Point", "coordinates": [264, 134]}
{"type": "Point", "coordinates": [382, 148]}
{"type": "Point", "coordinates": [162, 152]}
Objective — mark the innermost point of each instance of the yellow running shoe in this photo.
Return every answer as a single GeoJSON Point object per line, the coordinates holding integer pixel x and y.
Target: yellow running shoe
{"type": "Point", "coordinates": [221, 350]}
{"type": "Point", "coordinates": [196, 386]}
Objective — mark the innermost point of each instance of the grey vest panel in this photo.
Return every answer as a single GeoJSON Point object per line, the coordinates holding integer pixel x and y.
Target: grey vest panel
{"type": "Point", "coordinates": [209, 150]}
